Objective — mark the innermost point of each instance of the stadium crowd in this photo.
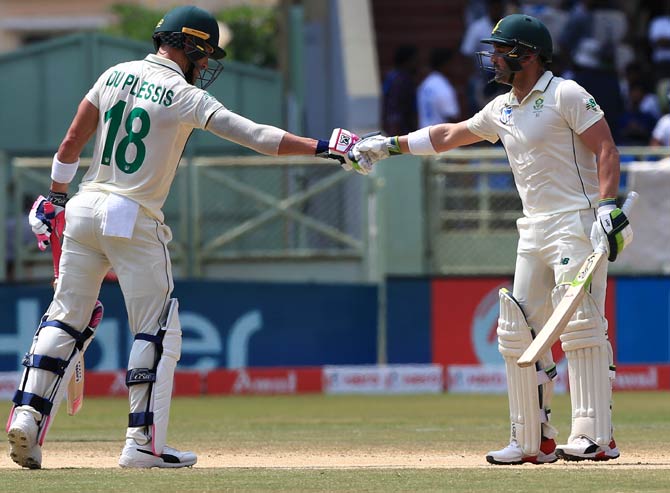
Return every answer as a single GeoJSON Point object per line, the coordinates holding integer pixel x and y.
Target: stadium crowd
{"type": "Point", "coordinates": [618, 50]}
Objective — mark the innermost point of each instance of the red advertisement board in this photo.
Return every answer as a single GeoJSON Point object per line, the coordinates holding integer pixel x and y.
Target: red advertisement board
{"type": "Point", "coordinates": [265, 381]}
{"type": "Point", "coordinates": [465, 316]}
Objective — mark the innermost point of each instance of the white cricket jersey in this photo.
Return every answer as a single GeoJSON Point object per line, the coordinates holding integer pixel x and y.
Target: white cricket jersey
{"type": "Point", "coordinates": [147, 113]}
{"type": "Point", "coordinates": [553, 170]}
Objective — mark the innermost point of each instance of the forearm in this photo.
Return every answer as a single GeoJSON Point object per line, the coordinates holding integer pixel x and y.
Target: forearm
{"type": "Point", "coordinates": [443, 137]}
{"type": "Point", "coordinates": [608, 172]}
{"type": "Point", "coordinates": [296, 146]}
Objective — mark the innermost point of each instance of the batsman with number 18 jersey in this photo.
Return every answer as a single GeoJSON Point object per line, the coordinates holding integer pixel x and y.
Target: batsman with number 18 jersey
{"type": "Point", "coordinates": [566, 170]}
{"type": "Point", "coordinates": [142, 114]}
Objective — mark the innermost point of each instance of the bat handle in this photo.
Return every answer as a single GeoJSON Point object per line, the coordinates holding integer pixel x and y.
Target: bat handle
{"type": "Point", "coordinates": [630, 202]}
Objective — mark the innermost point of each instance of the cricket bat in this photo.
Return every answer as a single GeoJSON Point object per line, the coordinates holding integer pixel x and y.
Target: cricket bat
{"type": "Point", "coordinates": [75, 387]}
{"type": "Point", "coordinates": [568, 305]}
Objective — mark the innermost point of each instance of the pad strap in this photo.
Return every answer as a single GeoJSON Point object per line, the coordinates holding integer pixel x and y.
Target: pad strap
{"type": "Point", "coordinates": [54, 365]}
{"type": "Point", "coordinates": [40, 404]}
{"type": "Point", "coordinates": [136, 420]}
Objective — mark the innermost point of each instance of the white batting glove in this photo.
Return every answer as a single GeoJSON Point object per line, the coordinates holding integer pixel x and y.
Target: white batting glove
{"type": "Point", "coordinates": [611, 232]}
{"type": "Point", "coordinates": [372, 149]}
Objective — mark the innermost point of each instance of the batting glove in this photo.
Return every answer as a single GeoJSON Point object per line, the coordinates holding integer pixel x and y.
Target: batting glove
{"type": "Point", "coordinates": [611, 232]}
{"type": "Point", "coordinates": [42, 216]}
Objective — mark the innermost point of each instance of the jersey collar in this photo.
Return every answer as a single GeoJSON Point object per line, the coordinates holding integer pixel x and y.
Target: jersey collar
{"type": "Point", "coordinates": [540, 86]}
{"type": "Point", "coordinates": [164, 62]}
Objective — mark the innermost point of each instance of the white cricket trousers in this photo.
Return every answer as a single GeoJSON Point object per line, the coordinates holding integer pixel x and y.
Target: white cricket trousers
{"type": "Point", "coordinates": [550, 251]}
{"type": "Point", "coordinates": [142, 264]}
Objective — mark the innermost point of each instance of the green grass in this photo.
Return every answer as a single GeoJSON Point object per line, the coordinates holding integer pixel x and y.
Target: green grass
{"type": "Point", "coordinates": [339, 425]}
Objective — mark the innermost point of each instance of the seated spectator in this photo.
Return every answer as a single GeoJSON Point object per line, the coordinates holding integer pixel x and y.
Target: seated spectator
{"type": "Point", "coordinates": [436, 98]}
{"type": "Point", "coordinates": [635, 74]}
{"type": "Point", "coordinates": [635, 126]}
{"type": "Point", "coordinates": [399, 93]}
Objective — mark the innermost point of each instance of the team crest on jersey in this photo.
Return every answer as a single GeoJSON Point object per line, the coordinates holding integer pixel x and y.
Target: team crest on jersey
{"type": "Point", "coordinates": [506, 115]}
{"type": "Point", "coordinates": [590, 104]}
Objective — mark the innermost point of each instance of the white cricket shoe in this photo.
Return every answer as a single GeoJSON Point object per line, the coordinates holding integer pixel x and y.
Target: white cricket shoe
{"type": "Point", "coordinates": [513, 455]}
{"type": "Point", "coordinates": [583, 448]}
{"type": "Point", "coordinates": [141, 456]}
{"type": "Point", "coordinates": [22, 437]}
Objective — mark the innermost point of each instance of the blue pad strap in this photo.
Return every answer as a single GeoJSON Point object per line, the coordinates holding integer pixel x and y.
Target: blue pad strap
{"type": "Point", "coordinates": [136, 420]}
{"type": "Point", "coordinates": [54, 365]}
{"type": "Point", "coordinates": [156, 339]}
{"type": "Point", "coordinates": [40, 404]}
{"type": "Point", "coordinates": [79, 337]}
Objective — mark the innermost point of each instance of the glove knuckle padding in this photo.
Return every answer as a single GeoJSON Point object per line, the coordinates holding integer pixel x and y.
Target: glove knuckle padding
{"type": "Point", "coordinates": [525, 385]}
{"type": "Point", "coordinates": [588, 352]}
{"type": "Point", "coordinates": [153, 360]}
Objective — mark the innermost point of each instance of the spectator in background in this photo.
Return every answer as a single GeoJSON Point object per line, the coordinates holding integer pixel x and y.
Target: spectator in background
{"type": "Point", "coordinates": [595, 71]}
{"type": "Point", "coordinates": [635, 74]}
{"type": "Point", "coordinates": [661, 133]}
{"type": "Point", "coordinates": [578, 26]}
{"type": "Point", "coordinates": [480, 91]}
{"type": "Point", "coordinates": [399, 92]}
{"type": "Point", "coordinates": [659, 40]}
{"type": "Point", "coordinates": [635, 125]}
{"type": "Point", "coordinates": [436, 97]}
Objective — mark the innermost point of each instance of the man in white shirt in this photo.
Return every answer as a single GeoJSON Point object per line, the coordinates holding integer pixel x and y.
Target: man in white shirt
{"type": "Point", "coordinates": [566, 169]}
{"type": "Point", "coordinates": [141, 113]}
{"type": "Point", "coordinates": [437, 100]}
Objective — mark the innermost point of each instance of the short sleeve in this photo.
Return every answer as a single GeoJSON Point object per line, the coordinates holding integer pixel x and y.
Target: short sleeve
{"type": "Point", "coordinates": [93, 95]}
{"type": "Point", "coordinates": [482, 123]}
{"type": "Point", "coordinates": [197, 106]}
{"type": "Point", "coordinates": [577, 106]}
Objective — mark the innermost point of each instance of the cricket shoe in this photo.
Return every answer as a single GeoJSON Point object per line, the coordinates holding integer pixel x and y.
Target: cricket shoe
{"type": "Point", "coordinates": [513, 455]}
{"type": "Point", "coordinates": [22, 437]}
{"type": "Point", "coordinates": [582, 448]}
{"type": "Point", "coordinates": [141, 456]}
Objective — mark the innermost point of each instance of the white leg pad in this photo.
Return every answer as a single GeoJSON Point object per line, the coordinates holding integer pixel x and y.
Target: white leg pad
{"type": "Point", "coordinates": [588, 352]}
{"type": "Point", "coordinates": [527, 413]}
{"type": "Point", "coordinates": [153, 359]}
{"type": "Point", "coordinates": [165, 376]}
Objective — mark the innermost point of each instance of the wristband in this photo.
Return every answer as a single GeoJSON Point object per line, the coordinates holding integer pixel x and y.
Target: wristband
{"type": "Point", "coordinates": [420, 144]}
{"type": "Point", "coordinates": [393, 144]}
{"type": "Point", "coordinates": [321, 147]}
{"type": "Point", "coordinates": [62, 172]}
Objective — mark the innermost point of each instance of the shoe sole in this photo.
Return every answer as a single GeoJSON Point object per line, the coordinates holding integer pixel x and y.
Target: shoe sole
{"type": "Point", "coordinates": [142, 463]}
{"type": "Point", "coordinates": [19, 450]}
{"type": "Point", "coordinates": [598, 457]}
{"type": "Point", "coordinates": [491, 460]}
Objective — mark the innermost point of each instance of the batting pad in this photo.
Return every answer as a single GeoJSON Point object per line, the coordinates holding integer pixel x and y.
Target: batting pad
{"type": "Point", "coordinates": [165, 376]}
{"type": "Point", "coordinates": [514, 336]}
{"type": "Point", "coordinates": [587, 350]}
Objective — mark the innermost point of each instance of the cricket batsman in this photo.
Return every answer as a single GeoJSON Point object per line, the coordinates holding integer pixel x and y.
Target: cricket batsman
{"type": "Point", "coordinates": [566, 170]}
{"type": "Point", "coordinates": [141, 114]}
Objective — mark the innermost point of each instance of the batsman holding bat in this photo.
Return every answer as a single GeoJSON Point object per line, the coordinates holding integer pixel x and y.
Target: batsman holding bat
{"type": "Point", "coordinates": [141, 113]}
{"type": "Point", "coordinates": [566, 169]}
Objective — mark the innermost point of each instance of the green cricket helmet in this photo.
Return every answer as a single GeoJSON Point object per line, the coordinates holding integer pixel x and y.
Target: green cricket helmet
{"type": "Point", "coordinates": [525, 34]}
{"type": "Point", "coordinates": [195, 31]}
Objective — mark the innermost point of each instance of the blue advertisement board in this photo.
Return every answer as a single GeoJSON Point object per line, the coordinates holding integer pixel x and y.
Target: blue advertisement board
{"type": "Point", "coordinates": [643, 318]}
{"type": "Point", "coordinates": [224, 324]}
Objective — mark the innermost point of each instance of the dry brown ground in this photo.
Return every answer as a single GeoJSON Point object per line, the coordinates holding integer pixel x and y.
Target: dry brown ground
{"type": "Point", "coordinates": [105, 455]}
